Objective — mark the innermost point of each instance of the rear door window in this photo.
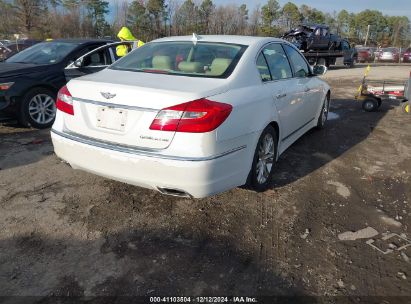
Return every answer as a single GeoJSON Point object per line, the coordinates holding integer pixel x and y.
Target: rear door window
{"type": "Point", "coordinates": [345, 45]}
{"type": "Point", "coordinates": [277, 62]}
{"type": "Point", "coordinates": [263, 68]}
{"type": "Point", "coordinates": [298, 62]}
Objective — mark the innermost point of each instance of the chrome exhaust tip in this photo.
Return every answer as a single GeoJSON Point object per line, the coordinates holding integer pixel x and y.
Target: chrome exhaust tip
{"type": "Point", "coordinates": [66, 163]}
{"type": "Point", "coordinates": [173, 192]}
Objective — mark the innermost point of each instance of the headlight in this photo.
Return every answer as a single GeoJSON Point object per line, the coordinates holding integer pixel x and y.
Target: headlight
{"type": "Point", "coordinates": [5, 86]}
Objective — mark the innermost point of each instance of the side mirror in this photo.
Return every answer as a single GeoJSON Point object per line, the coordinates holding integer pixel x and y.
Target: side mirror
{"type": "Point", "coordinates": [78, 63]}
{"type": "Point", "coordinates": [319, 70]}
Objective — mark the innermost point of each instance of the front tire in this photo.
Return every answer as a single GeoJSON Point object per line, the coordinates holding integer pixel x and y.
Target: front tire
{"type": "Point", "coordinates": [38, 108]}
{"type": "Point", "coordinates": [322, 119]}
{"type": "Point", "coordinates": [262, 169]}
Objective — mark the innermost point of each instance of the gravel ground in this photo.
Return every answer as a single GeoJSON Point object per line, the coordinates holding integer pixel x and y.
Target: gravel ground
{"type": "Point", "coordinates": [66, 232]}
{"type": "Point", "coordinates": [378, 71]}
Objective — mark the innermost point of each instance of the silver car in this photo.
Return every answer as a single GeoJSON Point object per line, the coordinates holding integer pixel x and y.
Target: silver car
{"type": "Point", "coordinates": [389, 54]}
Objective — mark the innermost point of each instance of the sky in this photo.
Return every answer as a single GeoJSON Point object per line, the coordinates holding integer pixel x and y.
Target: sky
{"type": "Point", "coordinates": [387, 7]}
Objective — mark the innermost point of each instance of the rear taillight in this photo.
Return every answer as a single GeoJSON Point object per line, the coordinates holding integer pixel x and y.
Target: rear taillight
{"type": "Point", "coordinates": [196, 116]}
{"type": "Point", "coordinates": [65, 101]}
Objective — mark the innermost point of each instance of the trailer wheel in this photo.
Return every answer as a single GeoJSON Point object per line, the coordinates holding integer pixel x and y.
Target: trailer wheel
{"type": "Point", "coordinates": [370, 104]}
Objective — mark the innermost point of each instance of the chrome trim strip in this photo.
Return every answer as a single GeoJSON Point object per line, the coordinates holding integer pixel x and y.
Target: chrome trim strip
{"type": "Point", "coordinates": [135, 151]}
{"type": "Point", "coordinates": [114, 105]}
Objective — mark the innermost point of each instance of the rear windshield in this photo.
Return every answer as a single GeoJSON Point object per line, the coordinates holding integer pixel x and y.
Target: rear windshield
{"type": "Point", "coordinates": [204, 59]}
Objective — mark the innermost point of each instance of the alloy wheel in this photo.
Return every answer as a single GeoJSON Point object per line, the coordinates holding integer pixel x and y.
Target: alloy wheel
{"type": "Point", "coordinates": [324, 113]}
{"type": "Point", "coordinates": [265, 158]}
{"type": "Point", "coordinates": [42, 108]}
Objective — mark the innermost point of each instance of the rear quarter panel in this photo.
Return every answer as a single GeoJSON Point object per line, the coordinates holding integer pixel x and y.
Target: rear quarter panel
{"type": "Point", "coordinates": [253, 110]}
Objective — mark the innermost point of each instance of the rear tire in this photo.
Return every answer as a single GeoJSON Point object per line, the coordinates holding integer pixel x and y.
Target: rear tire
{"type": "Point", "coordinates": [38, 108]}
{"type": "Point", "coordinates": [352, 63]}
{"type": "Point", "coordinates": [262, 169]}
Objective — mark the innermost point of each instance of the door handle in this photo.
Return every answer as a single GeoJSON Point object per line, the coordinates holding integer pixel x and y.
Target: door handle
{"type": "Point", "coordinates": [307, 90]}
{"type": "Point", "coordinates": [279, 96]}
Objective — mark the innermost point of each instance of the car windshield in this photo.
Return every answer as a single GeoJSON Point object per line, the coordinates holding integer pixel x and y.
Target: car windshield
{"type": "Point", "coordinates": [389, 50]}
{"type": "Point", "coordinates": [44, 53]}
{"type": "Point", "coordinates": [184, 58]}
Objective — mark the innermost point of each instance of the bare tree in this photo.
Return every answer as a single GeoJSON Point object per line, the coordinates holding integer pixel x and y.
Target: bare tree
{"type": "Point", "coordinates": [120, 13]}
{"type": "Point", "coordinates": [254, 23]}
{"type": "Point", "coordinates": [28, 12]}
{"type": "Point", "coordinates": [150, 19]}
{"type": "Point", "coordinates": [7, 20]}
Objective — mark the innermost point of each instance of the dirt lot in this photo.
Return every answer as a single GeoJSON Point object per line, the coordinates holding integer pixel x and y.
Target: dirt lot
{"type": "Point", "coordinates": [65, 232]}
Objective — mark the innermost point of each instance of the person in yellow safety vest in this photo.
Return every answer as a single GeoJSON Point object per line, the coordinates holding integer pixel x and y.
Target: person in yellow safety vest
{"type": "Point", "coordinates": [126, 35]}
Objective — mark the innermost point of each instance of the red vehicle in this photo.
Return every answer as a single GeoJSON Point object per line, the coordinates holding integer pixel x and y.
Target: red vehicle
{"type": "Point", "coordinates": [365, 55]}
{"type": "Point", "coordinates": [406, 57]}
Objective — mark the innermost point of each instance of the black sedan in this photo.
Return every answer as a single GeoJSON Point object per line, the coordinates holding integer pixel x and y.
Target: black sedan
{"type": "Point", "coordinates": [30, 80]}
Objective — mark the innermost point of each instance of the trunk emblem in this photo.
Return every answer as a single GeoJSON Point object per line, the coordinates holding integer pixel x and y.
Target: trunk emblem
{"type": "Point", "coordinates": [107, 95]}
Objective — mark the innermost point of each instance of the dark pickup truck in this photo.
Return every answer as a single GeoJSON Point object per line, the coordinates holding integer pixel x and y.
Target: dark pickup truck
{"type": "Point", "coordinates": [313, 38]}
{"type": "Point", "coordinates": [320, 46]}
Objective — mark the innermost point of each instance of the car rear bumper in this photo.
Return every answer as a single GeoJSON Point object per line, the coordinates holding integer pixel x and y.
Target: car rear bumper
{"type": "Point", "coordinates": [387, 58]}
{"type": "Point", "coordinates": [364, 58]}
{"type": "Point", "coordinates": [194, 177]}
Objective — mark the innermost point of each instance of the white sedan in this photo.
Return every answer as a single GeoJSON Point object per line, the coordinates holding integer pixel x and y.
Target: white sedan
{"type": "Point", "coordinates": [191, 116]}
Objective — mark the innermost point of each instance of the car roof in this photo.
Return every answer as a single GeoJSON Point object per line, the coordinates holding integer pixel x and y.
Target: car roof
{"type": "Point", "coordinates": [232, 39]}
{"type": "Point", "coordinates": [80, 41]}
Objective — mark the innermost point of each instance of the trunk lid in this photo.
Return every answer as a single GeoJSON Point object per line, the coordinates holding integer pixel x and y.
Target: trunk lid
{"type": "Point", "coordinates": [119, 106]}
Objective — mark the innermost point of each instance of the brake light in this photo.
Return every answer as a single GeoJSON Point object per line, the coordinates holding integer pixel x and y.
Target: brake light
{"type": "Point", "coordinates": [196, 116]}
{"type": "Point", "coordinates": [65, 101]}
